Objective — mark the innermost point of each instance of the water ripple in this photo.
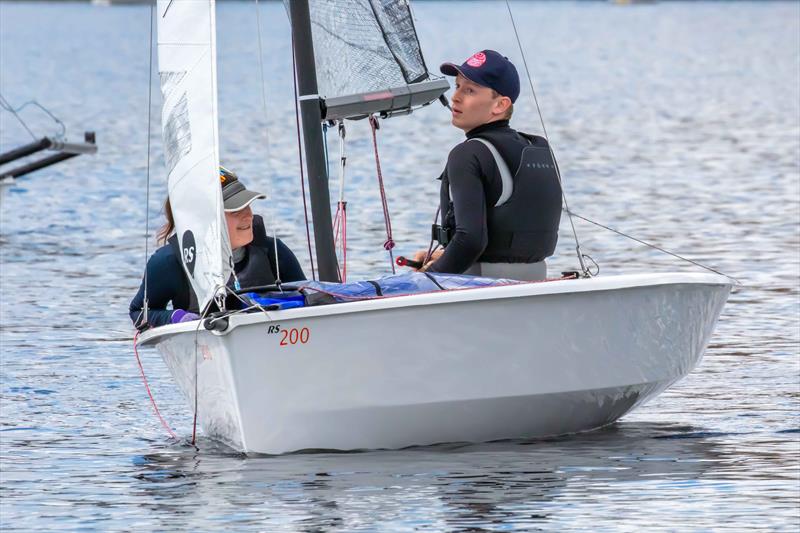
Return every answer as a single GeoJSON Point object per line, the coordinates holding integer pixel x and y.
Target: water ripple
{"type": "Point", "coordinates": [676, 122]}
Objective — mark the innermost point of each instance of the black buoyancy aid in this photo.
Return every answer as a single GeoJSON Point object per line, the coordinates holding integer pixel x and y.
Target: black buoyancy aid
{"type": "Point", "coordinates": [258, 266]}
{"type": "Point", "coordinates": [256, 269]}
{"type": "Point", "coordinates": [523, 229]}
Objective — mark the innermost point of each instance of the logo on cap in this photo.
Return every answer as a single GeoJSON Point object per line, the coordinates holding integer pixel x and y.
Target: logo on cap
{"type": "Point", "coordinates": [477, 59]}
{"type": "Point", "coordinates": [225, 175]}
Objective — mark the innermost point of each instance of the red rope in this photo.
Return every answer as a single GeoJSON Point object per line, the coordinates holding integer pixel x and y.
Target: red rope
{"type": "Point", "coordinates": [300, 156]}
{"type": "Point", "coordinates": [147, 387]}
{"type": "Point", "coordinates": [387, 221]}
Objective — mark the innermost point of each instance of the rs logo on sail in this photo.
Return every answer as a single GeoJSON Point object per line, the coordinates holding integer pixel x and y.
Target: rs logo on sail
{"type": "Point", "coordinates": [188, 249]}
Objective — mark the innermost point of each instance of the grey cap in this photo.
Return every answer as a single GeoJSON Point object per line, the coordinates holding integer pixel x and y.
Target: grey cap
{"type": "Point", "coordinates": [235, 195]}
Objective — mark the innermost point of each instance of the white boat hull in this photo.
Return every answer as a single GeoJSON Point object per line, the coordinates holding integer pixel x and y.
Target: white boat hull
{"type": "Point", "coordinates": [471, 365]}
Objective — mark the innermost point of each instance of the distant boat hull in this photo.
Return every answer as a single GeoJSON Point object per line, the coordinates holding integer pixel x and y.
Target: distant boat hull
{"type": "Point", "coordinates": [473, 365]}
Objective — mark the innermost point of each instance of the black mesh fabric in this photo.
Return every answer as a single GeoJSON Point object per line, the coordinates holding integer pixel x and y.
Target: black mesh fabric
{"type": "Point", "coordinates": [364, 45]}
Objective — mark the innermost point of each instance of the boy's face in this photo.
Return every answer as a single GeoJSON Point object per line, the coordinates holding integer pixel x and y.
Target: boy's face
{"type": "Point", "coordinates": [475, 104]}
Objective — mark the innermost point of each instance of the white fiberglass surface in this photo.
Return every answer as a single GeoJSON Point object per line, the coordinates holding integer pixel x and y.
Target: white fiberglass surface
{"type": "Point", "coordinates": [350, 368]}
{"type": "Point", "coordinates": [599, 284]}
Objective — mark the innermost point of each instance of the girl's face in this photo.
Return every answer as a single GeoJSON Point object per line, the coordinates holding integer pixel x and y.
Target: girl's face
{"type": "Point", "coordinates": [240, 227]}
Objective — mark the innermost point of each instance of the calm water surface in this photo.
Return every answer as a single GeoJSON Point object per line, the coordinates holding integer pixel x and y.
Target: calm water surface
{"type": "Point", "coordinates": [678, 123]}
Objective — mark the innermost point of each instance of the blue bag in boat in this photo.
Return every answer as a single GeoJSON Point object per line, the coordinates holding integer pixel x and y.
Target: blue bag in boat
{"type": "Point", "coordinates": [276, 300]}
{"type": "Point", "coordinates": [323, 293]}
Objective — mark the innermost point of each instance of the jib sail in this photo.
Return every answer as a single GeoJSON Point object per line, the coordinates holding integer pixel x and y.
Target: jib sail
{"type": "Point", "coordinates": [188, 71]}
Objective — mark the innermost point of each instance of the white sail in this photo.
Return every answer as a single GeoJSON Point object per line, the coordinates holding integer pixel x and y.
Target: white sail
{"type": "Point", "coordinates": [187, 64]}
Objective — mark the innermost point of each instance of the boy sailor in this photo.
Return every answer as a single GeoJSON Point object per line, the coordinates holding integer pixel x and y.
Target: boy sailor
{"type": "Point", "coordinates": [500, 196]}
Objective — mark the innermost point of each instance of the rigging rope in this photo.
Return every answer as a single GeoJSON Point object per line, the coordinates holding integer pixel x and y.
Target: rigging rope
{"type": "Point", "coordinates": [273, 208]}
{"type": "Point", "coordinates": [388, 245]}
{"type": "Point", "coordinates": [147, 388]}
{"type": "Point", "coordinates": [584, 268]}
{"type": "Point", "coordinates": [431, 248]}
{"type": "Point", "coordinates": [569, 212]}
{"type": "Point", "coordinates": [300, 157]}
{"type": "Point", "coordinates": [340, 221]}
{"type": "Point", "coordinates": [196, 373]}
{"type": "Point", "coordinates": [325, 147]}
{"type": "Point", "coordinates": [340, 228]}
{"type": "Point", "coordinates": [15, 111]}
{"type": "Point", "coordinates": [140, 322]}
{"type": "Point", "coordinates": [146, 302]}
{"type": "Point", "coordinates": [655, 247]}
{"type": "Point", "coordinates": [220, 292]}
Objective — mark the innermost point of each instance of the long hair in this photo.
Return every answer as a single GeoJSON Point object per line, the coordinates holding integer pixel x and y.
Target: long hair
{"type": "Point", "coordinates": [166, 230]}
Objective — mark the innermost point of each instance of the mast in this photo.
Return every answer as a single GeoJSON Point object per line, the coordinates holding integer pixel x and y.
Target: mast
{"type": "Point", "coordinates": [316, 165]}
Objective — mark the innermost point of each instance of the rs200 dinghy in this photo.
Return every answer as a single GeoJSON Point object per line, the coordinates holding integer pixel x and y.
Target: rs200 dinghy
{"type": "Point", "coordinates": [497, 362]}
{"type": "Point", "coordinates": [464, 359]}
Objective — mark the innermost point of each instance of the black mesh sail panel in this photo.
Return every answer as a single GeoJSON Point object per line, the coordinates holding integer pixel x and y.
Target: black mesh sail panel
{"type": "Point", "coordinates": [363, 46]}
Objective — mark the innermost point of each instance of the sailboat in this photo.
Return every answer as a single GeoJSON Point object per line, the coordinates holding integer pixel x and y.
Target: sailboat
{"type": "Point", "coordinates": [488, 361]}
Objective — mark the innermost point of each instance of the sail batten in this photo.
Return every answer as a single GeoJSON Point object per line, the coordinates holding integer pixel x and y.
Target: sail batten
{"type": "Point", "coordinates": [187, 68]}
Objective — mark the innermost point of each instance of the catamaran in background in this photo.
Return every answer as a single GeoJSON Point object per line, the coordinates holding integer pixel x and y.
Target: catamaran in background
{"type": "Point", "coordinates": [490, 359]}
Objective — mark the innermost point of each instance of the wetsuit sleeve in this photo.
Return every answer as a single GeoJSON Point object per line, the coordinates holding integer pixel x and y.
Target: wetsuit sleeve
{"type": "Point", "coordinates": [469, 204]}
{"type": "Point", "coordinates": [290, 269]}
{"type": "Point", "coordinates": [163, 280]}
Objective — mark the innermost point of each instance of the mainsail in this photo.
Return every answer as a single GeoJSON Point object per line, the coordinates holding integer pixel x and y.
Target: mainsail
{"type": "Point", "coordinates": [364, 45]}
{"type": "Point", "coordinates": [188, 70]}
{"type": "Point", "coordinates": [354, 58]}
{"type": "Point", "coordinates": [368, 58]}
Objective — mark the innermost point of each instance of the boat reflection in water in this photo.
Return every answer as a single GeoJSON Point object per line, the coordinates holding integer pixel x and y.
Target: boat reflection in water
{"type": "Point", "coordinates": [447, 487]}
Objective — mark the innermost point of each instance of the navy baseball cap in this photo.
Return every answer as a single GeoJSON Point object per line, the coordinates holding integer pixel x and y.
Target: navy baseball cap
{"type": "Point", "coordinates": [489, 69]}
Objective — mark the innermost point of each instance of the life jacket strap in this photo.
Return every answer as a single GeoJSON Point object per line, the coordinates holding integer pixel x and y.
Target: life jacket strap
{"type": "Point", "coordinates": [505, 174]}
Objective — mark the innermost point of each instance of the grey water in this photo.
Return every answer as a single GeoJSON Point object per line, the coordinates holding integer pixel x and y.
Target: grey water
{"type": "Point", "coordinates": [678, 123]}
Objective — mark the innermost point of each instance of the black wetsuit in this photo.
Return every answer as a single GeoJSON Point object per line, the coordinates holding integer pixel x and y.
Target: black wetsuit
{"type": "Point", "coordinates": [167, 282]}
{"type": "Point", "coordinates": [471, 186]}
